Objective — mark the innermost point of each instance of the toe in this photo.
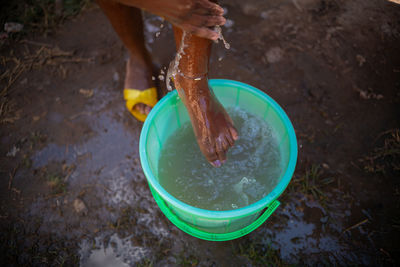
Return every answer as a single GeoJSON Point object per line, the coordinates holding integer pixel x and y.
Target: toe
{"type": "Point", "coordinates": [221, 146]}
{"type": "Point", "coordinates": [233, 133]}
{"type": "Point", "coordinates": [209, 152]}
{"type": "Point", "coordinates": [142, 108]}
{"type": "Point", "coordinates": [138, 107]}
{"type": "Point", "coordinates": [221, 157]}
{"type": "Point", "coordinates": [229, 139]}
{"type": "Point", "coordinates": [147, 110]}
{"type": "Point", "coordinates": [216, 163]}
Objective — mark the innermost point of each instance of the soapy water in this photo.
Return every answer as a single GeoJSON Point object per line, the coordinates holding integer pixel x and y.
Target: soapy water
{"type": "Point", "coordinates": [250, 173]}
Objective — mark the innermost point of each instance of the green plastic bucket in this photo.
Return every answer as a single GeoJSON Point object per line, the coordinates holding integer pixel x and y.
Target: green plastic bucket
{"type": "Point", "coordinates": [168, 116]}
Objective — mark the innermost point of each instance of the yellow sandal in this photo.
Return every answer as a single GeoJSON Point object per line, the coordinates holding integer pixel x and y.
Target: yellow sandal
{"type": "Point", "coordinates": [134, 96]}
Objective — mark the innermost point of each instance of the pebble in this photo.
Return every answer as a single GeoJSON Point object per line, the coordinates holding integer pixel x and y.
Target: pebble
{"type": "Point", "coordinates": [12, 152]}
{"type": "Point", "coordinates": [325, 166]}
{"type": "Point", "coordinates": [229, 23]}
{"type": "Point", "coordinates": [13, 27]}
{"type": "Point", "coordinates": [116, 77]}
{"type": "Point", "coordinates": [274, 55]}
{"type": "Point", "coordinates": [80, 207]}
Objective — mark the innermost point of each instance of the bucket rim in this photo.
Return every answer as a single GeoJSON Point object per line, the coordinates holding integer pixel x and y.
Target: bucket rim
{"type": "Point", "coordinates": [225, 214]}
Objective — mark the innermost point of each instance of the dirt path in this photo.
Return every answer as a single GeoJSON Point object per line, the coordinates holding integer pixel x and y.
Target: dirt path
{"type": "Point", "coordinates": [72, 189]}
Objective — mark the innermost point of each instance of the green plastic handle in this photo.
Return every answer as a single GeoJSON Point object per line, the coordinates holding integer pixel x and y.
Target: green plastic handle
{"type": "Point", "coordinates": [213, 236]}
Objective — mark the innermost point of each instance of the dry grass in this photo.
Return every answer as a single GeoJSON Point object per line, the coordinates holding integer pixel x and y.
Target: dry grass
{"type": "Point", "coordinates": [386, 157]}
{"type": "Point", "coordinates": [8, 111]}
{"type": "Point", "coordinates": [40, 15]}
{"type": "Point", "coordinates": [43, 55]}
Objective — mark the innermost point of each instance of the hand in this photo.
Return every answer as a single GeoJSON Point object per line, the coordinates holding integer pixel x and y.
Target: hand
{"type": "Point", "coordinates": [193, 16]}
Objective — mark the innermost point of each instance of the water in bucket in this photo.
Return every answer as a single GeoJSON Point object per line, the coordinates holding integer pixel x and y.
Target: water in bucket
{"type": "Point", "coordinates": [250, 173]}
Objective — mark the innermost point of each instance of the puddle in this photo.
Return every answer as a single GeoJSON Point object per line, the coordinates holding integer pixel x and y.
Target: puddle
{"type": "Point", "coordinates": [118, 253]}
{"type": "Point", "coordinates": [309, 229]}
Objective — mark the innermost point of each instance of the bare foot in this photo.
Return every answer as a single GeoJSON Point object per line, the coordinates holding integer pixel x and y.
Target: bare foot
{"type": "Point", "coordinates": [212, 126]}
{"type": "Point", "coordinates": [138, 76]}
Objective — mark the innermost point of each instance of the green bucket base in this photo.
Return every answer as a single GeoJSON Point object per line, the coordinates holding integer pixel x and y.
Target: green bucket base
{"type": "Point", "coordinates": [187, 228]}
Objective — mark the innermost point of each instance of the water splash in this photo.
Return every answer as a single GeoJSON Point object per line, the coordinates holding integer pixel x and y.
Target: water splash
{"type": "Point", "coordinates": [221, 37]}
{"type": "Point", "coordinates": [173, 68]}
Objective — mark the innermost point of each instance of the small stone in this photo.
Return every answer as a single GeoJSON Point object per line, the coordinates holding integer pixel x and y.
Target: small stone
{"type": "Point", "coordinates": [86, 92]}
{"type": "Point", "coordinates": [116, 77]}
{"type": "Point", "coordinates": [361, 60]}
{"type": "Point", "coordinates": [324, 219]}
{"type": "Point", "coordinates": [363, 94]}
{"type": "Point", "coordinates": [80, 207]}
{"type": "Point", "coordinates": [325, 166]}
{"type": "Point", "coordinates": [265, 14]}
{"type": "Point", "coordinates": [229, 23]}
{"type": "Point", "coordinates": [12, 152]}
{"type": "Point", "coordinates": [13, 27]}
{"type": "Point", "coordinates": [369, 94]}
{"type": "Point", "coordinates": [274, 55]}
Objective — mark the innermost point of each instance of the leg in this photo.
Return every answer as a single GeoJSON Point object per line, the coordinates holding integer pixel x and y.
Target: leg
{"type": "Point", "coordinates": [127, 23]}
{"type": "Point", "coordinates": [213, 127]}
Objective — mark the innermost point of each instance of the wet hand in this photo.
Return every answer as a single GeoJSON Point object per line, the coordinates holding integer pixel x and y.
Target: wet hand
{"type": "Point", "coordinates": [193, 16]}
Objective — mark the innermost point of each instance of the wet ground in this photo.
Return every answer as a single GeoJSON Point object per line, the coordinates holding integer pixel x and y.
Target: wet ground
{"type": "Point", "coordinates": [72, 190]}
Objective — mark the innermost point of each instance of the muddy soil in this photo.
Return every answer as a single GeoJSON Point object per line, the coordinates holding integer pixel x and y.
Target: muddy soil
{"type": "Point", "coordinates": [72, 190]}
